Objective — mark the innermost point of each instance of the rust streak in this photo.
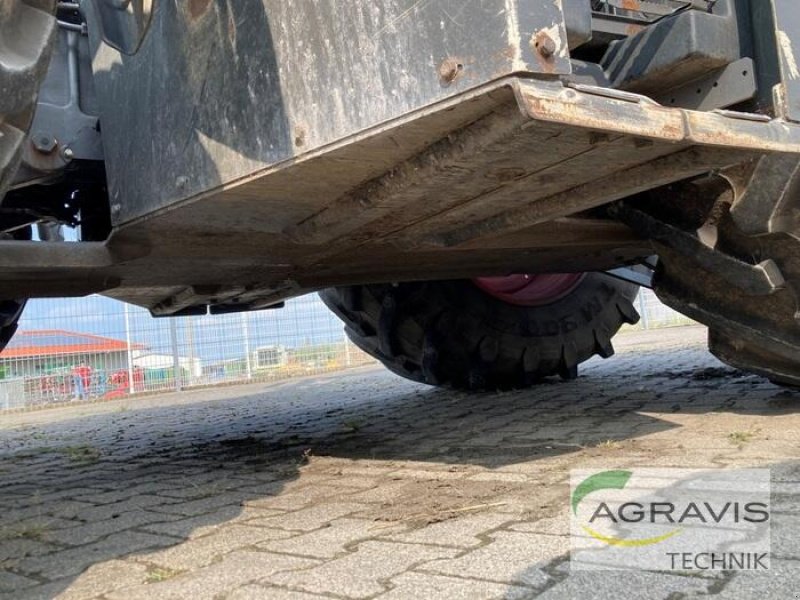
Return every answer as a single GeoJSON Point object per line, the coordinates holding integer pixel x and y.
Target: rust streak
{"type": "Point", "coordinates": [633, 28]}
{"type": "Point", "coordinates": [197, 8]}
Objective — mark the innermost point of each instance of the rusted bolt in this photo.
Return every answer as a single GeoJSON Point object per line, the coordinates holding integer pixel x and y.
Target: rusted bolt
{"type": "Point", "coordinates": [449, 70]}
{"type": "Point", "coordinates": [544, 44]}
{"type": "Point", "coordinates": [44, 143]}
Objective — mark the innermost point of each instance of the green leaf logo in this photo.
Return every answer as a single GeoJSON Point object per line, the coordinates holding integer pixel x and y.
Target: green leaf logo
{"type": "Point", "coordinates": [607, 480]}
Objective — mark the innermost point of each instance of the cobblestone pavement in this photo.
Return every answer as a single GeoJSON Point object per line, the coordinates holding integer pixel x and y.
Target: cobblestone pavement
{"type": "Point", "coordinates": [363, 485]}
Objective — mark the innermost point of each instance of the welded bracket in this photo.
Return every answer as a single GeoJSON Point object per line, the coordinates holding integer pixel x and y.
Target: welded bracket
{"type": "Point", "coordinates": [761, 279]}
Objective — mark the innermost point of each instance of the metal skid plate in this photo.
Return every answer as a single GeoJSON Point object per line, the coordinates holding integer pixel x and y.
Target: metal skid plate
{"type": "Point", "coordinates": [480, 184]}
{"type": "Point", "coordinates": [220, 90]}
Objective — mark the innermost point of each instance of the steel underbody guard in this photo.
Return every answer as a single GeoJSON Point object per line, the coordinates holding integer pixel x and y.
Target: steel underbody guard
{"type": "Point", "coordinates": [256, 152]}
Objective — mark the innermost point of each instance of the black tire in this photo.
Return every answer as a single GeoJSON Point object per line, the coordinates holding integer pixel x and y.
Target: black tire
{"type": "Point", "coordinates": [451, 333]}
{"type": "Point", "coordinates": [10, 312]}
{"type": "Point", "coordinates": [27, 34]}
{"type": "Point", "coordinates": [27, 31]}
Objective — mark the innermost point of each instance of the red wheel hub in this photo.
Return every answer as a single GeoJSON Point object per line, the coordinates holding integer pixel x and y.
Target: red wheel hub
{"type": "Point", "coordinates": [530, 289]}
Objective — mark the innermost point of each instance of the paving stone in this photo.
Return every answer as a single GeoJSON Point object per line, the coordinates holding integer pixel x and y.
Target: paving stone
{"type": "Point", "coordinates": [10, 582]}
{"type": "Point", "coordinates": [94, 531]}
{"type": "Point", "coordinates": [109, 497]}
{"type": "Point", "coordinates": [785, 503]}
{"type": "Point", "coordinates": [309, 519]}
{"type": "Point", "coordinates": [64, 509]}
{"type": "Point", "coordinates": [201, 551]}
{"type": "Point", "coordinates": [558, 525]}
{"type": "Point", "coordinates": [511, 557]}
{"type": "Point", "coordinates": [45, 591]}
{"type": "Point", "coordinates": [461, 531]}
{"type": "Point", "coordinates": [75, 560]}
{"type": "Point", "coordinates": [331, 541]}
{"type": "Point", "coordinates": [631, 585]}
{"type": "Point", "coordinates": [19, 548]}
{"type": "Point", "coordinates": [413, 586]}
{"type": "Point", "coordinates": [785, 536]}
{"type": "Point", "coordinates": [201, 505]}
{"type": "Point", "coordinates": [104, 577]}
{"type": "Point", "coordinates": [194, 527]}
{"type": "Point", "coordinates": [234, 571]}
{"type": "Point", "coordinates": [116, 509]}
{"type": "Point", "coordinates": [298, 498]}
{"type": "Point", "coordinates": [781, 581]}
{"type": "Point", "coordinates": [385, 492]}
{"type": "Point", "coordinates": [257, 592]}
{"type": "Point", "coordinates": [70, 493]}
{"type": "Point", "coordinates": [360, 574]}
{"type": "Point", "coordinates": [205, 487]}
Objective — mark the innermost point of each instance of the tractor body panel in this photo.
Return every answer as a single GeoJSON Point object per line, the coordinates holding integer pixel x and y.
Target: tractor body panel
{"type": "Point", "coordinates": [219, 91]}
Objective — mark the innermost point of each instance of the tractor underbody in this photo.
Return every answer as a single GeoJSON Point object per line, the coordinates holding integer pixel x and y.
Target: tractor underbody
{"type": "Point", "coordinates": [234, 155]}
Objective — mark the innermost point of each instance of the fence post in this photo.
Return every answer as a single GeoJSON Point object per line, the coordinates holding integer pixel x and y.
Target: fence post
{"type": "Point", "coordinates": [189, 332]}
{"type": "Point", "coordinates": [643, 311]}
{"type": "Point", "coordinates": [176, 358]}
{"type": "Point", "coordinates": [347, 359]}
{"type": "Point", "coordinates": [131, 384]}
{"type": "Point", "coordinates": [246, 332]}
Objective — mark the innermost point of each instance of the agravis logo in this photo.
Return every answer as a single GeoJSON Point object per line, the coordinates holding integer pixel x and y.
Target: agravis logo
{"type": "Point", "coordinates": [605, 481]}
{"type": "Point", "coordinates": [686, 519]}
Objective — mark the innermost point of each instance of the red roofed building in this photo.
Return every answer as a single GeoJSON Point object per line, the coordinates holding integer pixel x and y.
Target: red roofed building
{"type": "Point", "coordinates": [43, 352]}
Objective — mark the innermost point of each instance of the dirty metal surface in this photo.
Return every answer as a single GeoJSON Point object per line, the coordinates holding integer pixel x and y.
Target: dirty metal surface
{"type": "Point", "coordinates": [787, 28]}
{"type": "Point", "coordinates": [650, 61]}
{"type": "Point", "coordinates": [721, 88]}
{"type": "Point", "coordinates": [455, 190]}
{"type": "Point", "coordinates": [221, 90]}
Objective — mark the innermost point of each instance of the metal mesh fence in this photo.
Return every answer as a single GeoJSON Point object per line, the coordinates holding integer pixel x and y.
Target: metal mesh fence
{"type": "Point", "coordinates": [655, 314]}
{"type": "Point", "coordinates": [95, 348]}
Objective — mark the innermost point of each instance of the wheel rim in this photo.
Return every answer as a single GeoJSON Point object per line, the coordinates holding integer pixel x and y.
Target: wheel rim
{"type": "Point", "coordinates": [530, 289]}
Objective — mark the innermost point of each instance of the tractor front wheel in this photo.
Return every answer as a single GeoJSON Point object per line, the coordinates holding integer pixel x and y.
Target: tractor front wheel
{"type": "Point", "coordinates": [489, 333]}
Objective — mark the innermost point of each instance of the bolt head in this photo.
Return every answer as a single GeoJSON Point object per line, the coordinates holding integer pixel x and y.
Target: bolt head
{"type": "Point", "coordinates": [43, 142]}
{"type": "Point", "coordinates": [544, 44]}
{"type": "Point", "coordinates": [450, 70]}
{"type": "Point", "coordinates": [68, 153]}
